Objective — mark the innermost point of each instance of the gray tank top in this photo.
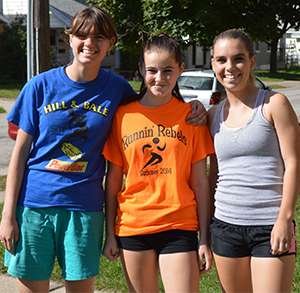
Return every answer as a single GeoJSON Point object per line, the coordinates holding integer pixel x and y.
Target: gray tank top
{"type": "Point", "coordinates": [251, 168]}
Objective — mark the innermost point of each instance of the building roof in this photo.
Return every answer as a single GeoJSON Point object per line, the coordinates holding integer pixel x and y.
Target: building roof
{"type": "Point", "coordinates": [3, 19]}
{"type": "Point", "coordinates": [66, 9]}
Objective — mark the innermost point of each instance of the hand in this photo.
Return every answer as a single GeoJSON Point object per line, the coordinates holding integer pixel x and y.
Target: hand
{"type": "Point", "coordinates": [111, 250]}
{"type": "Point", "coordinates": [9, 233]}
{"type": "Point", "coordinates": [205, 258]}
{"type": "Point", "coordinates": [199, 114]}
{"type": "Point", "coordinates": [281, 237]}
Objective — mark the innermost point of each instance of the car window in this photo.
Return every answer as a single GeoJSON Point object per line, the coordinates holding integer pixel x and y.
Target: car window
{"type": "Point", "coordinates": [195, 82]}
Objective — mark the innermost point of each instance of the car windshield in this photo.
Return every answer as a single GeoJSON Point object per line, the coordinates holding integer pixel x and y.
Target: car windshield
{"type": "Point", "coordinates": [195, 82]}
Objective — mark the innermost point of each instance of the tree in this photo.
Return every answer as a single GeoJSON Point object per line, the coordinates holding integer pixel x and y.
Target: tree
{"type": "Point", "coordinates": [199, 21]}
{"type": "Point", "coordinates": [13, 51]}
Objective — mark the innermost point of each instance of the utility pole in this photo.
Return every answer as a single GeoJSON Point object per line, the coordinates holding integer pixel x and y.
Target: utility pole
{"type": "Point", "coordinates": [42, 35]}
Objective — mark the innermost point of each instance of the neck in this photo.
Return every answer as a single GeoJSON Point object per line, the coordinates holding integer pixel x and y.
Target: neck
{"type": "Point", "coordinates": [78, 72]}
{"type": "Point", "coordinates": [151, 101]}
{"type": "Point", "coordinates": [245, 96]}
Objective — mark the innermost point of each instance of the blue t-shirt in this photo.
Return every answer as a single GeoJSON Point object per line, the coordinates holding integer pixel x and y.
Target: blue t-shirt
{"type": "Point", "coordinates": [70, 122]}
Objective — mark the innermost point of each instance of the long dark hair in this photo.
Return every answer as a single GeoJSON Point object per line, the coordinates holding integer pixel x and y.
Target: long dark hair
{"type": "Point", "coordinates": [161, 42]}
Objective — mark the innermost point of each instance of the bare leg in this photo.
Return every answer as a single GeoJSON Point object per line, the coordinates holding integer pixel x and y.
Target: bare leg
{"type": "Point", "coordinates": [273, 275]}
{"type": "Point", "coordinates": [234, 273]}
{"type": "Point", "coordinates": [180, 271]}
{"type": "Point", "coordinates": [30, 286]}
{"type": "Point", "coordinates": [83, 286]}
{"type": "Point", "coordinates": [140, 270]}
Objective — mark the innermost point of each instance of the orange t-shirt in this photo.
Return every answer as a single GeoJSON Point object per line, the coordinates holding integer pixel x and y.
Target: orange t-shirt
{"type": "Point", "coordinates": [156, 148]}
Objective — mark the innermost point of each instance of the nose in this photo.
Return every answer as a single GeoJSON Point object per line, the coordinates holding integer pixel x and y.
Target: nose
{"type": "Point", "coordinates": [89, 40]}
{"type": "Point", "coordinates": [230, 65]}
{"type": "Point", "coordinates": [158, 75]}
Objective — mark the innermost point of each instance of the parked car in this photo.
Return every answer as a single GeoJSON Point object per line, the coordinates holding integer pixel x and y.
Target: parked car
{"type": "Point", "coordinates": [12, 130]}
{"type": "Point", "coordinates": [204, 86]}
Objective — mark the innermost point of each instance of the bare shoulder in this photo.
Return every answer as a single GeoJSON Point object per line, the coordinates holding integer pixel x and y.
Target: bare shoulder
{"type": "Point", "coordinates": [277, 107]}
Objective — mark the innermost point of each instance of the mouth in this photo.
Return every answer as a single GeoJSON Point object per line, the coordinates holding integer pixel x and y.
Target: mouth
{"type": "Point", "coordinates": [231, 77]}
{"type": "Point", "coordinates": [88, 52]}
{"type": "Point", "coordinates": [158, 86]}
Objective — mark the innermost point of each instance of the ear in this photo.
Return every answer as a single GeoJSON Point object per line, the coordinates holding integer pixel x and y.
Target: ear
{"type": "Point", "coordinates": [253, 61]}
{"type": "Point", "coordinates": [70, 40]}
{"type": "Point", "coordinates": [181, 68]}
{"type": "Point", "coordinates": [212, 63]}
{"type": "Point", "coordinates": [111, 43]}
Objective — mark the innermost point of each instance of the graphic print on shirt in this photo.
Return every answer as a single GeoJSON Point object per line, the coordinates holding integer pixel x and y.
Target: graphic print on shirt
{"type": "Point", "coordinates": [162, 139]}
{"type": "Point", "coordinates": [78, 125]}
{"type": "Point", "coordinates": [156, 158]}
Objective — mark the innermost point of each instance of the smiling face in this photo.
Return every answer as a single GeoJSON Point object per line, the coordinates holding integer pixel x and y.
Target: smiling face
{"type": "Point", "coordinates": [90, 48]}
{"type": "Point", "coordinates": [160, 72]}
{"type": "Point", "coordinates": [232, 64]}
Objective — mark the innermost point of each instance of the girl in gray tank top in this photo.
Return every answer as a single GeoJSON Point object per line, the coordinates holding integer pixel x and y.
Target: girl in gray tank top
{"type": "Point", "coordinates": [254, 175]}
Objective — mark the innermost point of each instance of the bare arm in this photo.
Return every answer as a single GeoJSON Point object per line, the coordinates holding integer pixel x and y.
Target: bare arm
{"type": "Point", "coordinates": [200, 186]}
{"type": "Point", "coordinates": [213, 165]}
{"type": "Point", "coordinates": [113, 184]}
{"type": "Point", "coordinates": [281, 114]}
{"type": "Point", "coordinates": [9, 228]}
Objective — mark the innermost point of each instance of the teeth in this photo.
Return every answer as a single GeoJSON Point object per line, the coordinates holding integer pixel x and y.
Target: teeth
{"type": "Point", "coordinates": [88, 51]}
{"type": "Point", "coordinates": [231, 76]}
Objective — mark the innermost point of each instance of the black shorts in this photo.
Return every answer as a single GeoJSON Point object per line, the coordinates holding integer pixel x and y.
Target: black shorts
{"type": "Point", "coordinates": [240, 241]}
{"type": "Point", "coordinates": [171, 241]}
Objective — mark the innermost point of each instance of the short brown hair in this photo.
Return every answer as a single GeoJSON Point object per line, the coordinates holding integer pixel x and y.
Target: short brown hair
{"type": "Point", "coordinates": [86, 18]}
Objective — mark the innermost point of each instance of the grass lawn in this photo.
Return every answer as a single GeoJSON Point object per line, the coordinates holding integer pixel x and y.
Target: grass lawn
{"type": "Point", "coordinates": [10, 91]}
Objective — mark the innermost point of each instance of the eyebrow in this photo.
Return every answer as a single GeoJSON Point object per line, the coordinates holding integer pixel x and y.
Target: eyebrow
{"type": "Point", "coordinates": [240, 54]}
{"type": "Point", "coordinates": [166, 67]}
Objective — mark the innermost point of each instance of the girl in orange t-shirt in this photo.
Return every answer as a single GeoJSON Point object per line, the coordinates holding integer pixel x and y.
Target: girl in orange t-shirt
{"type": "Point", "coordinates": [152, 222]}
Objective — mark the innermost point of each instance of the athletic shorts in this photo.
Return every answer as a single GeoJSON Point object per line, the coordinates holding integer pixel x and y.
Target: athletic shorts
{"type": "Point", "coordinates": [240, 241]}
{"type": "Point", "coordinates": [171, 241]}
{"type": "Point", "coordinates": [74, 237]}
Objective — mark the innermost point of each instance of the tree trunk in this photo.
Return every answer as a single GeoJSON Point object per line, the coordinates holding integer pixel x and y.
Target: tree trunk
{"type": "Point", "coordinates": [273, 59]}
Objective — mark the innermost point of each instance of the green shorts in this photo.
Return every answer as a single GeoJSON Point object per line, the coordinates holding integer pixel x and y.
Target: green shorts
{"type": "Point", "coordinates": [74, 237]}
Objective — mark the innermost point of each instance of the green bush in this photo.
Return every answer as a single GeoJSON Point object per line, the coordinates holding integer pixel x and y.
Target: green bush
{"type": "Point", "coordinates": [13, 62]}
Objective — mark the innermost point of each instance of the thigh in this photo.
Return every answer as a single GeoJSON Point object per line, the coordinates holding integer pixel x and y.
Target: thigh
{"type": "Point", "coordinates": [180, 271]}
{"type": "Point", "coordinates": [79, 237]}
{"type": "Point", "coordinates": [35, 250]}
{"type": "Point", "coordinates": [140, 270]}
{"type": "Point", "coordinates": [234, 273]}
{"type": "Point", "coordinates": [274, 274]}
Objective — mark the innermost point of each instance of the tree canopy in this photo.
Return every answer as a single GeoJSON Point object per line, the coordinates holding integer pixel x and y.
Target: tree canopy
{"type": "Point", "coordinates": [199, 21]}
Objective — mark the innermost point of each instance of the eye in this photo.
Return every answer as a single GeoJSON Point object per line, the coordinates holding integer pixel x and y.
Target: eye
{"type": "Point", "coordinates": [99, 37]}
{"type": "Point", "coordinates": [151, 71]}
{"type": "Point", "coordinates": [221, 60]}
{"type": "Point", "coordinates": [239, 59]}
{"type": "Point", "coordinates": [81, 37]}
